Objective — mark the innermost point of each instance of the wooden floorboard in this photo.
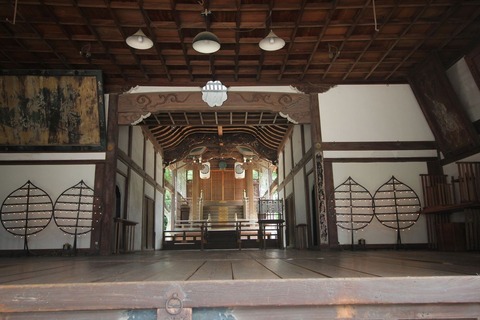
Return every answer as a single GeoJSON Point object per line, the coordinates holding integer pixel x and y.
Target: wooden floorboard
{"type": "Point", "coordinates": [194, 265]}
{"type": "Point", "coordinates": [244, 284]}
{"type": "Point", "coordinates": [286, 270]}
{"type": "Point", "coordinates": [330, 270]}
{"type": "Point", "coordinates": [246, 269]}
{"type": "Point", "coordinates": [214, 270]}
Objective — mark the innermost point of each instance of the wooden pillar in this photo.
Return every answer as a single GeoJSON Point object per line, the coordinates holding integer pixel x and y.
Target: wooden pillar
{"type": "Point", "coordinates": [320, 200]}
{"type": "Point", "coordinates": [105, 183]}
{"type": "Point", "coordinates": [330, 204]}
{"type": "Point", "coordinates": [250, 194]}
{"type": "Point", "coordinates": [195, 210]}
{"type": "Point", "coordinates": [174, 208]}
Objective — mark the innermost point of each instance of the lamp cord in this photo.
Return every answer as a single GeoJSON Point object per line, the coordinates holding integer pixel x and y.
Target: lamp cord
{"type": "Point", "coordinates": [14, 13]}
{"type": "Point", "coordinates": [375, 16]}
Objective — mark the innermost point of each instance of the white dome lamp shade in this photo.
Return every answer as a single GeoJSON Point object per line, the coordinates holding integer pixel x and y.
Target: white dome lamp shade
{"type": "Point", "coordinates": [139, 40]}
{"type": "Point", "coordinates": [206, 42]}
{"type": "Point", "coordinates": [271, 42]}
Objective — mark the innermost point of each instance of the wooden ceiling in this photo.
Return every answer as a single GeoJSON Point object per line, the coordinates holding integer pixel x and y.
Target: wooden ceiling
{"type": "Point", "coordinates": [328, 42]}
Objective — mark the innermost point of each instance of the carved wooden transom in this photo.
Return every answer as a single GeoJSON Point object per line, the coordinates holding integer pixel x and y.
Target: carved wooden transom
{"type": "Point", "coordinates": [180, 122]}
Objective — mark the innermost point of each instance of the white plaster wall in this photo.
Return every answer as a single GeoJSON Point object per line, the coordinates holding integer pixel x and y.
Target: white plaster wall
{"type": "Point", "coordinates": [359, 113]}
{"type": "Point", "coordinates": [280, 167]}
{"type": "Point", "coordinates": [159, 170]}
{"type": "Point", "coordinates": [372, 176]}
{"type": "Point", "coordinates": [288, 157]}
{"type": "Point", "coordinates": [135, 206]}
{"type": "Point", "coordinates": [300, 199]}
{"type": "Point", "coordinates": [123, 138]}
{"type": "Point", "coordinates": [122, 167]}
{"type": "Point", "coordinates": [149, 159]}
{"type": "Point", "coordinates": [288, 189]}
{"type": "Point", "coordinates": [137, 146]}
{"type": "Point", "coordinates": [308, 136]}
{"type": "Point", "coordinates": [466, 88]}
{"type": "Point", "coordinates": [54, 180]}
{"type": "Point", "coordinates": [297, 144]}
{"type": "Point", "coordinates": [149, 190]}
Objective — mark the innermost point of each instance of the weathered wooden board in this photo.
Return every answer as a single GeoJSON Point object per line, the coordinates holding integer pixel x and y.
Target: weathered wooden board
{"type": "Point", "coordinates": [241, 293]}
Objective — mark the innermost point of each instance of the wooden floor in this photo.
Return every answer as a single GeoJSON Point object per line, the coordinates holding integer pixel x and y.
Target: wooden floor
{"type": "Point", "coordinates": [246, 284]}
{"type": "Point", "coordinates": [235, 265]}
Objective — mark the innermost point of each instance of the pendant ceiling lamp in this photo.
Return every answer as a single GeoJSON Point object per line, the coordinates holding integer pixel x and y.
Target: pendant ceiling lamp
{"type": "Point", "coordinates": [206, 42]}
{"type": "Point", "coordinates": [139, 41]}
{"type": "Point", "coordinates": [271, 42]}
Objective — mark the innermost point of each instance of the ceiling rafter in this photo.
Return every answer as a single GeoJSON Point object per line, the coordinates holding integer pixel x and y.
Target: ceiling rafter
{"type": "Point", "coordinates": [372, 39]}
{"type": "Point", "coordinates": [446, 15]}
{"type": "Point", "coordinates": [392, 46]}
{"type": "Point", "coordinates": [42, 38]}
{"type": "Point", "coordinates": [358, 16]}
{"type": "Point", "coordinates": [148, 23]}
{"type": "Point", "coordinates": [54, 18]}
{"type": "Point", "coordinates": [319, 39]}
{"type": "Point", "coordinates": [122, 32]}
{"type": "Point", "coordinates": [178, 24]}
{"type": "Point", "coordinates": [238, 20]}
{"type": "Point", "coordinates": [94, 31]}
{"type": "Point", "coordinates": [268, 24]}
{"type": "Point", "coordinates": [292, 37]}
{"type": "Point", "coordinates": [22, 46]}
{"type": "Point", "coordinates": [307, 26]}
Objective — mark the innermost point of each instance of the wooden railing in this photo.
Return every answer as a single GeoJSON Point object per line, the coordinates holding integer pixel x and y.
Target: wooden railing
{"type": "Point", "coordinates": [436, 190]}
{"type": "Point", "coordinates": [194, 233]}
{"type": "Point", "coordinates": [469, 181]}
{"type": "Point", "coordinates": [442, 198]}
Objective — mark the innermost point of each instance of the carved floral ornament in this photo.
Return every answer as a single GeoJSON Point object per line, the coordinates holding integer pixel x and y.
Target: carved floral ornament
{"type": "Point", "coordinates": [214, 93]}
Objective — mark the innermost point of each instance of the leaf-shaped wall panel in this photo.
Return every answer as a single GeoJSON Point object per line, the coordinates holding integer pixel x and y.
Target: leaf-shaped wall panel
{"type": "Point", "coordinates": [397, 206]}
{"type": "Point", "coordinates": [26, 211]}
{"type": "Point", "coordinates": [74, 209]}
{"type": "Point", "coordinates": [353, 205]}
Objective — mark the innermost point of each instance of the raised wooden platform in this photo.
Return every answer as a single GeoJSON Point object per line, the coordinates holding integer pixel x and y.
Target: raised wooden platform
{"type": "Point", "coordinates": [247, 284]}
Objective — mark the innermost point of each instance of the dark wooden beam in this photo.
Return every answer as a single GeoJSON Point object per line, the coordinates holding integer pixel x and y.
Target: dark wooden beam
{"type": "Point", "coordinates": [134, 107]}
{"type": "Point", "coordinates": [381, 145]}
